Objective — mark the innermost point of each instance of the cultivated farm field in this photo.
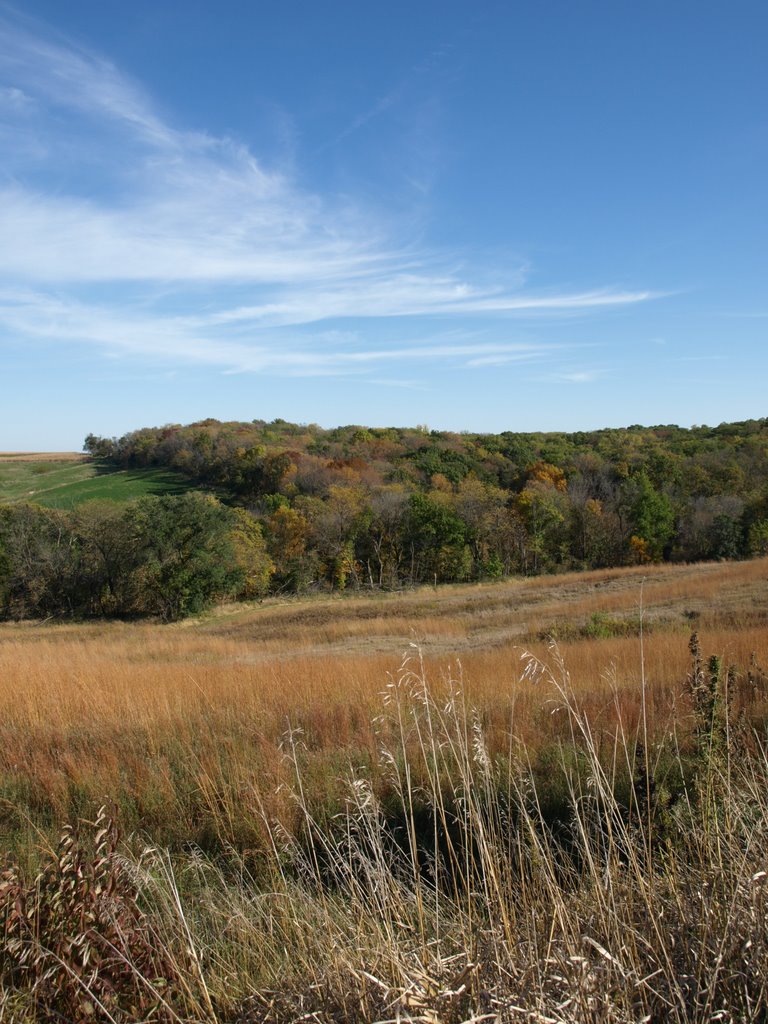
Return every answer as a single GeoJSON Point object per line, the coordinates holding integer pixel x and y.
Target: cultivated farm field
{"type": "Point", "coordinates": [42, 457]}
{"type": "Point", "coordinates": [406, 806]}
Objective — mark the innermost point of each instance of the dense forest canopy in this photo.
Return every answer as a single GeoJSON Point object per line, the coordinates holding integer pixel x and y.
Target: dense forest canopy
{"type": "Point", "coordinates": [286, 507]}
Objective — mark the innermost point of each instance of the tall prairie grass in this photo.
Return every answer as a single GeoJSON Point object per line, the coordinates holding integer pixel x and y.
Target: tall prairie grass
{"type": "Point", "coordinates": [314, 828]}
{"type": "Point", "coordinates": [173, 738]}
{"type": "Point", "coordinates": [174, 724]}
{"type": "Point", "coordinates": [434, 887]}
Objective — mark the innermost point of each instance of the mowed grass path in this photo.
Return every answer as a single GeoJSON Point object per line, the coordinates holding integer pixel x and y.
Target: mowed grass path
{"type": "Point", "coordinates": [66, 481]}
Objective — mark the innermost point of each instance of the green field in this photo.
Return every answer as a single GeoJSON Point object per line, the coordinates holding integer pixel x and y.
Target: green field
{"type": "Point", "coordinates": [65, 484]}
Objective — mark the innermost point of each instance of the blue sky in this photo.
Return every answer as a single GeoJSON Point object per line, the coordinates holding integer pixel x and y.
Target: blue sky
{"type": "Point", "coordinates": [491, 216]}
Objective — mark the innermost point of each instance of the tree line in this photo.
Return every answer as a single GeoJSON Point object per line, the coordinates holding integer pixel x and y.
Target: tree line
{"type": "Point", "coordinates": [158, 556]}
{"type": "Point", "coordinates": [284, 507]}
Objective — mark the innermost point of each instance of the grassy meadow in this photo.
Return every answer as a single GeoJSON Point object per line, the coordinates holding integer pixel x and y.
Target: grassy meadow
{"type": "Point", "coordinates": [405, 806]}
{"type": "Point", "coordinates": [66, 479]}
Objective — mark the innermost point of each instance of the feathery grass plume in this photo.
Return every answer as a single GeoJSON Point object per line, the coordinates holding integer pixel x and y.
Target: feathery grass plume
{"type": "Point", "coordinates": [77, 941]}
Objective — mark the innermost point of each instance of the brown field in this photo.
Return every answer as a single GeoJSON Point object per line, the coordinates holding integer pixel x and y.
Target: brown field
{"type": "Point", "coordinates": [181, 726]}
{"type": "Point", "coordinates": [43, 457]}
{"type": "Point", "coordinates": [352, 805]}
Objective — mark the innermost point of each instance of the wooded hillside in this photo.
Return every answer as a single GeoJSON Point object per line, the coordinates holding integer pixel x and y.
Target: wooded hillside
{"type": "Point", "coordinates": [385, 508]}
{"type": "Point", "coordinates": [392, 505]}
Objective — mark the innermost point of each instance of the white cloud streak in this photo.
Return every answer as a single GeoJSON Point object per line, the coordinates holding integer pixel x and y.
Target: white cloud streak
{"type": "Point", "coordinates": [41, 317]}
{"type": "Point", "coordinates": [159, 218]}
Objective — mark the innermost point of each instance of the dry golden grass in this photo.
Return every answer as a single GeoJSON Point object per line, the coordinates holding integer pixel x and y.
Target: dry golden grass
{"type": "Point", "coordinates": [292, 742]}
{"type": "Point", "coordinates": [182, 725]}
{"type": "Point", "coordinates": [43, 457]}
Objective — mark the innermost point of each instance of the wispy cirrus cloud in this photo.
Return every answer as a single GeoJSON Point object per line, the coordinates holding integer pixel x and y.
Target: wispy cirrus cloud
{"type": "Point", "coordinates": [564, 376]}
{"type": "Point", "coordinates": [42, 317]}
{"type": "Point", "coordinates": [120, 231]}
{"type": "Point", "coordinates": [580, 376]}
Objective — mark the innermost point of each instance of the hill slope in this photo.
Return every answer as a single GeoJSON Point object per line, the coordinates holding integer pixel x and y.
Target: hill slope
{"type": "Point", "coordinates": [63, 480]}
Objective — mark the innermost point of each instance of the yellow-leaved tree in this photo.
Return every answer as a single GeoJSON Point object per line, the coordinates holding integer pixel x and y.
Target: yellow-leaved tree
{"type": "Point", "coordinates": [251, 555]}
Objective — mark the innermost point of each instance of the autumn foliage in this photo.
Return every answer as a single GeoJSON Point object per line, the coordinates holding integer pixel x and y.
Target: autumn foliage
{"type": "Point", "coordinates": [284, 508]}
